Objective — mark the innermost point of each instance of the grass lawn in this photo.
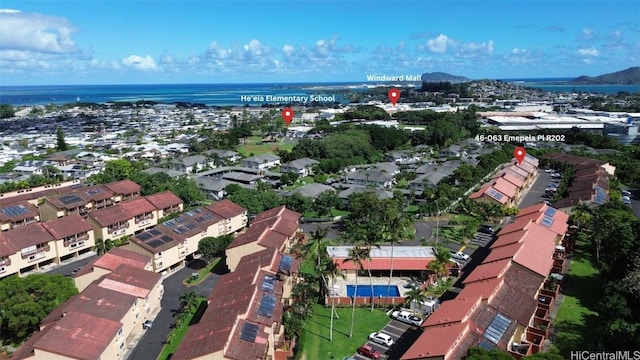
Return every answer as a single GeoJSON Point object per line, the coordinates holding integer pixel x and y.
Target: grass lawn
{"type": "Point", "coordinates": [176, 335]}
{"type": "Point", "coordinates": [255, 145]}
{"type": "Point", "coordinates": [316, 344]}
{"type": "Point", "coordinates": [202, 273]}
{"type": "Point", "coordinates": [573, 323]}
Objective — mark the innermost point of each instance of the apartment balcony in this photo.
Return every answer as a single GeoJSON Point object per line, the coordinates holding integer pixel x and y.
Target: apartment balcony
{"type": "Point", "coordinates": [74, 239]}
{"type": "Point", "coordinates": [118, 229]}
{"type": "Point", "coordinates": [5, 262]}
{"type": "Point", "coordinates": [104, 203]}
{"type": "Point", "coordinates": [144, 219]}
{"type": "Point", "coordinates": [41, 250]}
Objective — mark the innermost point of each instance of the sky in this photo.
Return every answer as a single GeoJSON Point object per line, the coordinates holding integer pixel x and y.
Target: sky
{"type": "Point", "coordinates": [59, 42]}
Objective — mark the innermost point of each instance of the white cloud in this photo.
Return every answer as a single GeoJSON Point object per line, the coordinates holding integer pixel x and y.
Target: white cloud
{"type": "Point", "coordinates": [146, 63]}
{"type": "Point", "coordinates": [439, 44]}
{"type": "Point", "coordinates": [476, 49]}
{"type": "Point", "coordinates": [589, 52]}
{"type": "Point", "coordinates": [288, 51]}
{"type": "Point", "coordinates": [588, 34]}
{"type": "Point", "coordinates": [35, 32]}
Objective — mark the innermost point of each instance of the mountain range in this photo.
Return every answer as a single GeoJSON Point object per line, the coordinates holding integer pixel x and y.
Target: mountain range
{"type": "Point", "coordinates": [630, 76]}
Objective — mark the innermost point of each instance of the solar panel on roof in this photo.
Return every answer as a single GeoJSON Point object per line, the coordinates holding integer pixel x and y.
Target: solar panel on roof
{"type": "Point", "coordinates": [550, 211]}
{"type": "Point", "coordinates": [547, 221]}
{"type": "Point", "coordinates": [486, 345]}
{"type": "Point", "coordinates": [249, 332]}
{"type": "Point", "coordinates": [268, 284]}
{"type": "Point", "coordinates": [155, 243]}
{"type": "Point", "coordinates": [179, 230]}
{"type": "Point", "coordinates": [14, 210]}
{"type": "Point", "coordinates": [69, 199]}
{"type": "Point", "coordinates": [166, 238]}
{"type": "Point", "coordinates": [191, 226]}
{"type": "Point", "coordinates": [190, 213]}
{"type": "Point", "coordinates": [208, 216]}
{"type": "Point", "coordinates": [154, 232]}
{"type": "Point", "coordinates": [497, 328]}
{"type": "Point", "coordinates": [93, 191]}
{"type": "Point", "coordinates": [285, 263]}
{"type": "Point", "coordinates": [494, 194]}
{"type": "Point", "coordinates": [179, 220]}
{"type": "Point", "coordinates": [144, 236]}
{"type": "Point", "coordinates": [267, 304]}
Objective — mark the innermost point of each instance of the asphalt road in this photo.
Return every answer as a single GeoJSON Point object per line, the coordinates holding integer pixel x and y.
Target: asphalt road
{"type": "Point", "coordinates": [635, 201]}
{"type": "Point", "coordinates": [536, 190]}
{"type": "Point", "coordinates": [152, 341]}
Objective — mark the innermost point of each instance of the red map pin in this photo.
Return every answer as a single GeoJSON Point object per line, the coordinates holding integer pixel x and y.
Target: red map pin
{"type": "Point", "coordinates": [394, 96]}
{"type": "Point", "coordinates": [519, 153]}
{"type": "Point", "coordinates": [287, 115]}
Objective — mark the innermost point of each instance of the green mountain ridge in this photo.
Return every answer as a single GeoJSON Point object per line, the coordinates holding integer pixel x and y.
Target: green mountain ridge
{"type": "Point", "coordinates": [443, 77]}
{"type": "Point", "coordinates": [630, 76]}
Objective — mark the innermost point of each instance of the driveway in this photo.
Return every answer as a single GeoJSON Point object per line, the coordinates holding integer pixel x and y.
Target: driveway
{"type": "Point", "coordinates": [403, 336]}
{"type": "Point", "coordinates": [536, 190]}
{"type": "Point", "coordinates": [152, 341]}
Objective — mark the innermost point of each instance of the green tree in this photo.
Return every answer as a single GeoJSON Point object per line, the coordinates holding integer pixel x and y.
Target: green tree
{"type": "Point", "coordinates": [210, 246]}
{"type": "Point", "coordinates": [326, 201]}
{"type": "Point", "coordinates": [415, 294]}
{"type": "Point", "coordinates": [61, 145]}
{"type": "Point", "coordinates": [24, 302]}
{"type": "Point", "coordinates": [189, 301]}
{"type": "Point", "coordinates": [103, 246]}
{"type": "Point", "coordinates": [6, 111]}
{"type": "Point", "coordinates": [478, 353]}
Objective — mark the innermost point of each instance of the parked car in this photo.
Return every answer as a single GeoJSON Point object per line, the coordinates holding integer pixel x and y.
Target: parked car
{"type": "Point", "coordinates": [549, 170]}
{"type": "Point", "coordinates": [556, 176]}
{"type": "Point", "coordinates": [369, 351]}
{"type": "Point", "coordinates": [626, 193]}
{"type": "Point", "coordinates": [147, 324]}
{"type": "Point", "coordinates": [626, 200]}
{"type": "Point", "coordinates": [407, 317]}
{"type": "Point", "coordinates": [460, 256]}
{"type": "Point", "coordinates": [487, 229]}
{"type": "Point", "coordinates": [381, 338]}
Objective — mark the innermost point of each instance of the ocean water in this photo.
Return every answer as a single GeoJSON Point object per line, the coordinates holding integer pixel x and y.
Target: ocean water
{"type": "Point", "coordinates": [226, 94]}
{"type": "Point", "coordinates": [209, 94]}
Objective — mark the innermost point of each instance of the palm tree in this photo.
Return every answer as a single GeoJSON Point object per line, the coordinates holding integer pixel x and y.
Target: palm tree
{"type": "Point", "coordinates": [316, 249]}
{"type": "Point", "coordinates": [415, 294]}
{"type": "Point", "coordinates": [331, 270]}
{"type": "Point", "coordinates": [103, 246]}
{"type": "Point", "coordinates": [396, 229]}
{"type": "Point", "coordinates": [580, 215]}
{"type": "Point", "coordinates": [180, 319]}
{"type": "Point", "coordinates": [356, 254]}
{"type": "Point", "coordinates": [189, 300]}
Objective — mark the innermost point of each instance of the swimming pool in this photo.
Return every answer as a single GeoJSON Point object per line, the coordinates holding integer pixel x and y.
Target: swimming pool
{"type": "Point", "coordinates": [364, 290]}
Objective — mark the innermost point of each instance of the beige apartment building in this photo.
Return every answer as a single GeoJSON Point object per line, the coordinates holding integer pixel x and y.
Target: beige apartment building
{"type": "Point", "coordinates": [29, 247]}
{"type": "Point", "coordinates": [98, 322]}
{"type": "Point", "coordinates": [169, 243]}
{"type": "Point", "coordinates": [125, 218]}
{"type": "Point", "coordinates": [18, 214]}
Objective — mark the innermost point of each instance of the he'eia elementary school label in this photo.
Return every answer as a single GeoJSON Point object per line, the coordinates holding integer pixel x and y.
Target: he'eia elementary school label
{"type": "Point", "coordinates": [302, 99]}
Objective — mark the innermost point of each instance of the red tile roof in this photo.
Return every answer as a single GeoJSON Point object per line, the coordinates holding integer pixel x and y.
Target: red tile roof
{"type": "Point", "coordinates": [235, 295]}
{"type": "Point", "coordinates": [518, 170]}
{"type": "Point", "coordinates": [110, 215]}
{"type": "Point", "coordinates": [95, 193]}
{"type": "Point", "coordinates": [504, 252]}
{"type": "Point", "coordinates": [504, 187]}
{"type": "Point", "coordinates": [89, 341]}
{"type": "Point", "coordinates": [517, 181]}
{"type": "Point", "coordinates": [536, 213]}
{"type": "Point", "coordinates": [67, 226]}
{"type": "Point", "coordinates": [117, 256]}
{"type": "Point", "coordinates": [436, 342]}
{"type": "Point", "coordinates": [487, 271]}
{"type": "Point", "coordinates": [163, 200]}
{"type": "Point", "coordinates": [483, 288]}
{"type": "Point", "coordinates": [227, 209]}
{"type": "Point", "coordinates": [27, 196]}
{"type": "Point", "coordinates": [6, 247]}
{"type": "Point", "coordinates": [270, 228]}
{"type": "Point", "coordinates": [30, 212]}
{"type": "Point", "coordinates": [58, 204]}
{"type": "Point", "coordinates": [416, 264]}
{"type": "Point", "coordinates": [453, 311]}
{"type": "Point", "coordinates": [28, 235]}
{"type": "Point", "coordinates": [124, 187]}
{"type": "Point", "coordinates": [137, 207]}
{"type": "Point", "coordinates": [130, 280]}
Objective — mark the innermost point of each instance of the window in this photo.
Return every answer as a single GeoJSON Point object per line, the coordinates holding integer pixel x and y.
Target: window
{"type": "Point", "coordinates": [120, 332]}
{"type": "Point", "coordinates": [78, 244]}
{"type": "Point", "coordinates": [2, 269]}
{"type": "Point", "coordinates": [121, 345]}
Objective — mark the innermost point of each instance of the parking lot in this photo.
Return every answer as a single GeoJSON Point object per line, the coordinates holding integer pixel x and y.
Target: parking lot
{"type": "Point", "coordinates": [403, 335]}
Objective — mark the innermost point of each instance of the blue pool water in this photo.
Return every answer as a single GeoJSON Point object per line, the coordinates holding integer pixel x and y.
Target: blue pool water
{"type": "Point", "coordinates": [378, 290]}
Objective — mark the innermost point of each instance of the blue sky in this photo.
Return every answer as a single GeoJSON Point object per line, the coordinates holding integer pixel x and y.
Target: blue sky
{"type": "Point", "coordinates": [50, 42]}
